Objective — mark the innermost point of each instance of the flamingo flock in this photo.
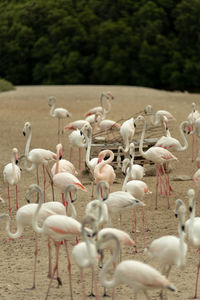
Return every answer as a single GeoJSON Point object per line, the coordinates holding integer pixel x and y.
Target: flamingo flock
{"type": "Point", "coordinates": [97, 242]}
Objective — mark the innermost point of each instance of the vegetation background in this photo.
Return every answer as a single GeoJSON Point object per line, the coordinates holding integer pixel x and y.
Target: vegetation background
{"type": "Point", "coordinates": [115, 42]}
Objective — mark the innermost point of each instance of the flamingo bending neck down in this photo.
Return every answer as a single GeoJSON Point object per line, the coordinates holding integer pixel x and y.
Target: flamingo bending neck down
{"type": "Point", "coordinates": [59, 113]}
{"type": "Point", "coordinates": [159, 156]}
{"type": "Point", "coordinates": [137, 275]}
{"type": "Point", "coordinates": [12, 175]}
{"type": "Point", "coordinates": [158, 115]}
{"type": "Point", "coordinates": [103, 171]}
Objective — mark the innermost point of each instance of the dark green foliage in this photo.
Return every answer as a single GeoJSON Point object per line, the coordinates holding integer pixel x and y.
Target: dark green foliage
{"type": "Point", "coordinates": [123, 42]}
{"type": "Point", "coordinates": [6, 86]}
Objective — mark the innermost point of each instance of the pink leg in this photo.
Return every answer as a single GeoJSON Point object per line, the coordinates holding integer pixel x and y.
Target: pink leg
{"type": "Point", "coordinates": [35, 260]}
{"type": "Point", "coordinates": [157, 183]}
{"type": "Point", "coordinates": [50, 261]}
{"type": "Point", "coordinates": [192, 147]}
{"type": "Point", "coordinates": [170, 189]}
{"type": "Point", "coordinates": [196, 285]}
{"type": "Point", "coordinates": [70, 154]}
{"type": "Point", "coordinates": [17, 198]}
{"type": "Point", "coordinates": [44, 182]}
{"type": "Point", "coordinates": [82, 284]}
{"type": "Point", "coordinates": [167, 187]}
{"type": "Point", "coordinates": [197, 146]}
{"type": "Point", "coordinates": [69, 270]}
{"type": "Point", "coordinates": [80, 165]}
{"type": "Point", "coordinates": [135, 229]}
{"type": "Point", "coordinates": [143, 221]}
{"type": "Point", "coordinates": [54, 270]}
{"type": "Point", "coordinates": [95, 284]}
{"type": "Point", "coordinates": [9, 201]}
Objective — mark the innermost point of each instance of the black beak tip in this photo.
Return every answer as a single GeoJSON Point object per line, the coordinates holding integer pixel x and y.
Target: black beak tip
{"type": "Point", "coordinates": [16, 161]}
{"type": "Point", "coordinates": [24, 133]}
{"type": "Point", "coordinates": [176, 215]}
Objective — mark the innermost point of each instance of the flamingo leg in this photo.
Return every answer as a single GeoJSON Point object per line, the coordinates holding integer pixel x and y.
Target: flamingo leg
{"type": "Point", "coordinates": [70, 154]}
{"type": "Point", "coordinates": [92, 281]}
{"type": "Point", "coordinates": [9, 201]}
{"type": "Point", "coordinates": [82, 284]}
{"type": "Point", "coordinates": [44, 174]}
{"type": "Point", "coordinates": [192, 148]}
{"type": "Point", "coordinates": [51, 182]}
{"type": "Point", "coordinates": [80, 165]}
{"type": "Point", "coordinates": [69, 270]}
{"type": "Point", "coordinates": [135, 229]}
{"type": "Point", "coordinates": [16, 197]}
{"type": "Point", "coordinates": [58, 130]}
{"type": "Point", "coordinates": [35, 261]}
{"type": "Point", "coordinates": [157, 183]}
{"type": "Point", "coordinates": [197, 146]}
{"type": "Point", "coordinates": [54, 270]}
{"type": "Point", "coordinates": [95, 284]}
{"type": "Point", "coordinates": [197, 279]}
{"type": "Point", "coordinates": [167, 186]}
{"type": "Point", "coordinates": [50, 258]}
{"type": "Point", "coordinates": [144, 229]}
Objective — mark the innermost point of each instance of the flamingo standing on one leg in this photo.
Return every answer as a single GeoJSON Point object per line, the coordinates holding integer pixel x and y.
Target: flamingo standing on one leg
{"type": "Point", "coordinates": [59, 113]}
{"type": "Point", "coordinates": [137, 275]}
{"type": "Point", "coordinates": [36, 156]}
{"type": "Point", "coordinates": [159, 156]}
{"type": "Point", "coordinates": [12, 175]}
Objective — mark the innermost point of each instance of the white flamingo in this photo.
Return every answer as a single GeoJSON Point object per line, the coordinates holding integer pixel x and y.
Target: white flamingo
{"type": "Point", "coordinates": [156, 118]}
{"type": "Point", "coordinates": [12, 175]}
{"type": "Point", "coordinates": [59, 113]}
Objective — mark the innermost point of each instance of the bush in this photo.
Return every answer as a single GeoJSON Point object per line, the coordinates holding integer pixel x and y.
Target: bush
{"type": "Point", "coordinates": [6, 86]}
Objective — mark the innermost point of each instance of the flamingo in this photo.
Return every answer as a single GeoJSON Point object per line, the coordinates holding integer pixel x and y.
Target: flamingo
{"type": "Point", "coordinates": [76, 140]}
{"type": "Point", "coordinates": [62, 165]}
{"type": "Point", "coordinates": [24, 217]}
{"type": "Point", "coordinates": [196, 176]}
{"type": "Point", "coordinates": [85, 255]}
{"type": "Point", "coordinates": [98, 208]}
{"type": "Point", "coordinates": [137, 275]}
{"type": "Point", "coordinates": [78, 124]}
{"type": "Point", "coordinates": [58, 228]}
{"type": "Point", "coordinates": [12, 175]}
{"type": "Point", "coordinates": [170, 250]}
{"type": "Point", "coordinates": [59, 113]}
{"type": "Point", "coordinates": [192, 229]}
{"type": "Point", "coordinates": [159, 156]}
{"type": "Point", "coordinates": [171, 143]}
{"type": "Point", "coordinates": [127, 132]}
{"type": "Point", "coordinates": [36, 156]}
{"type": "Point", "coordinates": [108, 125]}
{"type": "Point", "coordinates": [158, 115]}
{"type": "Point", "coordinates": [103, 171]}
{"type": "Point", "coordinates": [195, 131]}
{"type": "Point", "coordinates": [136, 171]}
{"type": "Point", "coordinates": [101, 108]}
{"type": "Point", "coordinates": [192, 117]}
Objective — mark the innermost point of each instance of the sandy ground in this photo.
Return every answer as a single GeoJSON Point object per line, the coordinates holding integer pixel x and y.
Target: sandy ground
{"type": "Point", "coordinates": [31, 104]}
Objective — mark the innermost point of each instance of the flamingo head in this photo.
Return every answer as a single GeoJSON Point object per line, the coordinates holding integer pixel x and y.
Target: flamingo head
{"type": "Point", "coordinates": [26, 125]}
{"type": "Point", "coordinates": [15, 152]}
{"type": "Point", "coordinates": [51, 98]}
{"type": "Point", "coordinates": [110, 95]}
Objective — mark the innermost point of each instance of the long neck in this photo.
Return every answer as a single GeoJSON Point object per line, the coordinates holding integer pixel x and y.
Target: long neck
{"type": "Point", "coordinates": [13, 165]}
{"type": "Point", "coordinates": [72, 208]}
{"type": "Point", "coordinates": [153, 122]}
{"type": "Point", "coordinates": [102, 275]}
{"type": "Point", "coordinates": [107, 161]}
{"type": "Point", "coordinates": [57, 161]}
{"type": "Point", "coordinates": [191, 224]}
{"type": "Point", "coordinates": [181, 237]}
{"type": "Point", "coordinates": [185, 143]}
{"type": "Point", "coordinates": [125, 182]}
{"type": "Point", "coordinates": [109, 105]}
{"type": "Point", "coordinates": [36, 228]}
{"type": "Point", "coordinates": [52, 108]}
{"type": "Point", "coordinates": [19, 231]}
{"type": "Point", "coordinates": [90, 260]}
{"type": "Point", "coordinates": [88, 139]}
{"type": "Point", "coordinates": [28, 142]}
{"type": "Point", "coordinates": [142, 140]}
{"type": "Point", "coordinates": [104, 111]}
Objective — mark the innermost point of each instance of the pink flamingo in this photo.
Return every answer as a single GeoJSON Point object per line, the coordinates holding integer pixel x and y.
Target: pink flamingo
{"type": "Point", "coordinates": [59, 113]}
{"type": "Point", "coordinates": [159, 156]}
{"type": "Point", "coordinates": [24, 217]}
{"type": "Point", "coordinates": [85, 255]}
{"type": "Point", "coordinates": [195, 131]}
{"type": "Point", "coordinates": [58, 228]}
{"type": "Point", "coordinates": [158, 115]}
{"type": "Point", "coordinates": [103, 171]}
{"type": "Point", "coordinates": [36, 156]}
{"type": "Point", "coordinates": [78, 124]}
{"type": "Point", "coordinates": [170, 250]}
{"type": "Point", "coordinates": [196, 176]}
{"type": "Point", "coordinates": [137, 275]}
{"type": "Point", "coordinates": [12, 175]}
{"type": "Point", "coordinates": [101, 109]}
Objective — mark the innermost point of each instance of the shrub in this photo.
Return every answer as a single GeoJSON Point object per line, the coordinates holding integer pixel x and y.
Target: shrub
{"type": "Point", "coordinates": [6, 86]}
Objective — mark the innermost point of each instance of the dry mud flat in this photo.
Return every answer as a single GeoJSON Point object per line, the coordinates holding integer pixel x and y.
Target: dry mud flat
{"type": "Point", "coordinates": [31, 104]}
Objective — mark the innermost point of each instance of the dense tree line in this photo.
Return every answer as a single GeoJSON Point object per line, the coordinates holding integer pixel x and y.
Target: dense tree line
{"type": "Point", "coordinates": [122, 42]}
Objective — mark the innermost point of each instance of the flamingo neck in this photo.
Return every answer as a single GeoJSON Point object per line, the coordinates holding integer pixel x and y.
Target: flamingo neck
{"type": "Point", "coordinates": [19, 231]}
{"type": "Point", "coordinates": [72, 208]}
{"type": "Point", "coordinates": [185, 142]}
{"type": "Point", "coordinates": [90, 260]}
{"type": "Point", "coordinates": [14, 166]}
{"type": "Point", "coordinates": [142, 140]}
{"type": "Point", "coordinates": [27, 152]}
{"type": "Point", "coordinates": [88, 139]}
{"type": "Point", "coordinates": [181, 236]}
{"type": "Point", "coordinates": [52, 114]}
{"type": "Point", "coordinates": [36, 228]}
{"type": "Point", "coordinates": [110, 283]}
